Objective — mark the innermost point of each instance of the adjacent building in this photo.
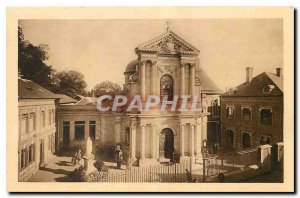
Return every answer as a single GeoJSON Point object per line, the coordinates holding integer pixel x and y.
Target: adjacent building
{"type": "Point", "coordinates": [252, 113]}
{"type": "Point", "coordinates": [210, 94]}
{"type": "Point", "coordinates": [36, 143]}
{"type": "Point", "coordinates": [37, 126]}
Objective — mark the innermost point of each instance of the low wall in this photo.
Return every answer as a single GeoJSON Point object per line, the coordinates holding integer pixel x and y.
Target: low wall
{"type": "Point", "coordinates": [256, 161]}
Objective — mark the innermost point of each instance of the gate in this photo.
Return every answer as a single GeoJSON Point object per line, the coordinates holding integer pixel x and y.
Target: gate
{"type": "Point", "coordinates": [168, 173]}
{"type": "Point", "coordinates": [211, 168]}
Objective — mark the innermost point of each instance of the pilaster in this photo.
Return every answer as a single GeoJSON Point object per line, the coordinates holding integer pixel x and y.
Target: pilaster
{"type": "Point", "coordinates": [143, 80]}
{"type": "Point", "coordinates": [133, 126]}
{"type": "Point", "coordinates": [72, 131]}
{"type": "Point", "coordinates": [86, 129]}
{"type": "Point", "coordinates": [117, 129]}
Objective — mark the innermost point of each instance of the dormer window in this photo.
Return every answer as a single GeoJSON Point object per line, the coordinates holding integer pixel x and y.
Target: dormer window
{"type": "Point", "coordinates": [231, 91]}
{"type": "Point", "coordinates": [268, 88]}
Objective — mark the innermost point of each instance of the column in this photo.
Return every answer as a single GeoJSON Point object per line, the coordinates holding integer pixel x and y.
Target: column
{"type": "Point", "coordinates": [157, 142]}
{"type": "Point", "coordinates": [182, 73]}
{"type": "Point", "coordinates": [102, 132]}
{"type": "Point", "coordinates": [86, 129]}
{"type": "Point", "coordinates": [192, 79]}
{"type": "Point", "coordinates": [182, 140]}
{"type": "Point", "coordinates": [117, 130]}
{"type": "Point", "coordinates": [60, 135]}
{"type": "Point", "coordinates": [142, 151]}
{"type": "Point", "coordinates": [192, 140]}
{"type": "Point", "coordinates": [154, 143]}
{"type": "Point", "coordinates": [198, 138]}
{"type": "Point", "coordinates": [133, 139]}
{"type": "Point", "coordinates": [153, 87]}
{"type": "Point", "coordinates": [204, 128]}
{"type": "Point", "coordinates": [72, 131]}
{"type": "Point", "coordinates": [143, 81]}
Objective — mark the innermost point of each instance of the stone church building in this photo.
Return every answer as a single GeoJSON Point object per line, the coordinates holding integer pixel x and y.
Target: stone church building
{"type": "Point", "coordinates": [165, 65]}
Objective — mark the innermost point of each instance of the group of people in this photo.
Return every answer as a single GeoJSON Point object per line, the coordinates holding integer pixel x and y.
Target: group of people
{"type": "Point", "coordinates": [77, 157]}
{"type": "Point", "coordinates": [118, 156]}
{"type": "Point", "coordinates": [212, 151]}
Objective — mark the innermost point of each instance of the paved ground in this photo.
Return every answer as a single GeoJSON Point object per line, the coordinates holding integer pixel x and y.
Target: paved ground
{"type": "Point", "coordinates": [271, 177]}
{"type": "Point", "coordinates": [59, 167]}
{"type": "Point", "coordinates": [56, 170]}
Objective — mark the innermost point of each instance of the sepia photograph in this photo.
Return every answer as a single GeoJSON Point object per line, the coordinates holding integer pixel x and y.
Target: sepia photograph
{"type": "Point", "coordinates": [151, 101]}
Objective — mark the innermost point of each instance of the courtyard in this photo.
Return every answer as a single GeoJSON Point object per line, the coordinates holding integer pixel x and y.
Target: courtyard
{"type": "Point", "coordinates": [60, 167]}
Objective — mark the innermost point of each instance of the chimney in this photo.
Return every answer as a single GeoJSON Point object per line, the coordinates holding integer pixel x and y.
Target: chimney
{"type": "Point", "coordinates": [279, 72]}
{"type": "Point", "coordinates": [249, 73]}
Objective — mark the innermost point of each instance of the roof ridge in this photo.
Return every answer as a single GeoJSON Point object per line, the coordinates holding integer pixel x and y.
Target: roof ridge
{"type": "Point", "coordinates": [36, 90]}
{"type": "Point", "coordinates": [251, 89]}
{"type": "Point", "coordinates": [153, 40]}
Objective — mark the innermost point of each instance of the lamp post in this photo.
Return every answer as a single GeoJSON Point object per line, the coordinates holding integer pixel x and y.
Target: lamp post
{"type": "Point", "coordinates": [204, 146]}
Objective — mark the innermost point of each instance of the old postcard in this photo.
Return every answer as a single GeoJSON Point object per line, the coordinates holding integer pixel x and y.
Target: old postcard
{"type": "Point", "coordinates": [161, 99]}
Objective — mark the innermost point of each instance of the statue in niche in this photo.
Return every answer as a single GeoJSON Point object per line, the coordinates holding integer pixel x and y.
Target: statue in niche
{"type": "Point", "coordinates": [166, 86]}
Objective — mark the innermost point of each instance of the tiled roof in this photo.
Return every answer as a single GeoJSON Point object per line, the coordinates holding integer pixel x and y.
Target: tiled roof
{"type": "Point", "coordinates": [278, 81]}
{"type": "Point", "coordinates": [88, 101]}
{"type": "Point", "coordinates": [27, 89]}
{"type": "Point", "coordinates": [206, 83]}
{"type": "Point", "coordinates": [131, 67]}
{"type": "Point", "coordinates": [64, 99]}
{"type": "Point", "coordinates": [256, 86]}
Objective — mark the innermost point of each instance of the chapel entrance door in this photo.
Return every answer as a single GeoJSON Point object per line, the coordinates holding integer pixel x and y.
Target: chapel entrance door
{"type": "Point", "coordinates": [166, 143]}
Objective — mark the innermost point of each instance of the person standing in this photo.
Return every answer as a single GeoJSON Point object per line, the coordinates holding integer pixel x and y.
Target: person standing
{"type": "Point", "coordinates": [78, 156]}
{"type": "Point", "coordinates": [118, 156]}
{"type": "Point", "coordinates": [120, 159]}
{"type": "Point", "coordinates": [129, 163]}
{"type": "Point", "coordinates": [74, 159]}
{"type": "Point", "coordinates": [221, 177]}
{"type": "Point", "coordinates": [217, 148]}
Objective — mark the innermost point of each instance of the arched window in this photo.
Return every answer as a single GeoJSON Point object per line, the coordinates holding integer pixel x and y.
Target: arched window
{"type": "Point", "coordinates": [166, 86]}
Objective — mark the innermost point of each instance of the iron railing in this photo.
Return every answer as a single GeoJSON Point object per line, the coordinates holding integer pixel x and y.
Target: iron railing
{"type": "Point", "coordinates": [168, 172]}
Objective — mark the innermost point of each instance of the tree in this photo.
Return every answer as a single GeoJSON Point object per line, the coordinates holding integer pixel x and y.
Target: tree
{"type": "Point", "coordinates": [31, 61]}
{"type": "Point", "coordinates": [70, 83]}
{"type": "Point", "coordinates": [106, 87]}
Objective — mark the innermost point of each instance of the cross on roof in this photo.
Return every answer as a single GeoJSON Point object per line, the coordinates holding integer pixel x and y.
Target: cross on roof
{"type": "Point", "coordinates": [168, 25]}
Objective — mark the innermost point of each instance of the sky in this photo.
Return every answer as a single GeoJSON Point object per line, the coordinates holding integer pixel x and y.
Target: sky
{"type": "Point", "coordinates": [101, 49]}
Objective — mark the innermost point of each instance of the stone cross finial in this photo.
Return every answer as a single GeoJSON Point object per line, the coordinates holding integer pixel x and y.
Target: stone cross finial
{"type": "Point", "coordinates": [168, 25]}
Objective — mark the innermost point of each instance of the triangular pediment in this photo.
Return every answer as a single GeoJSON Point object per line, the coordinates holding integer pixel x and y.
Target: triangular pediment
{"type": "Point", "coordinates": [168, 43]}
